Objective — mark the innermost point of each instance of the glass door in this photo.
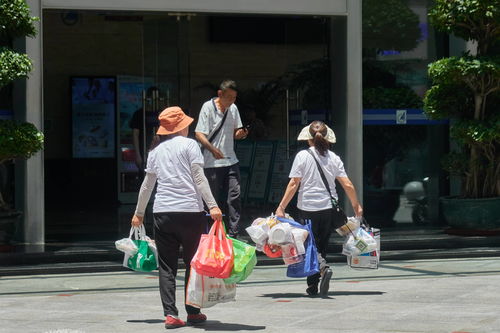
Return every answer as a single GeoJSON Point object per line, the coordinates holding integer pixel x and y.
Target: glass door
{"type": "Point", "coordinates": [142, 97]}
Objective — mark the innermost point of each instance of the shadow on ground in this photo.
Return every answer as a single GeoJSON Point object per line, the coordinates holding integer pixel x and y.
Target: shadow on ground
{"type": "Point", "coordinates": [209, 325]}
{"type": "Point", "coordinates": [331, 293]}
{"type": "Point", "coordinates": [214, 325]}
{"type": "Point", "coordinates": [147, 321]}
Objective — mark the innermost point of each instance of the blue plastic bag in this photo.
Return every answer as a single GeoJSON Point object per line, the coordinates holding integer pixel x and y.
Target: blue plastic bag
{"type": "Point", "coordinates": [310, 265]}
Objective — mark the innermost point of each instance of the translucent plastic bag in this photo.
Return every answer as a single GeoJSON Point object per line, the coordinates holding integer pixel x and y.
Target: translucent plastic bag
{"type": "Point", "coordinates": [358, 242]}
{"type": "Point", "coordinates": [352, 224]}
{"type": "Point", "coordinates": [367, 260]}
{"type": "Point", "coordinates": [127, 246]}
{"type": "Point", "coordinates": [146, 257]}
{"type": "Point", "coordinates": [280, 234]}
{"type": "Point", "coordinates": [290, 254]}
{"type": "Point", "coordinates": [204, 291]}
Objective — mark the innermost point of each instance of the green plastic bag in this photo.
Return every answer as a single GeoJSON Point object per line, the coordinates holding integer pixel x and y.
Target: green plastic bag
{"type": "Point", "coordinates": [245, 260]}
{"type": "Point", "coordinates": [144, 260]}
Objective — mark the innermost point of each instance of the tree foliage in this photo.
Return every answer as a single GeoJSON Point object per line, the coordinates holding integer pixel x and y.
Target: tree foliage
{"type": "Point", "coordinates": [15, 19]}
{"type": "Point", "coordinates": [389, 25]}
{"type": "Point", "coordinates": [17, 139]}
{"type": "Point", "coordinates": [13, 66]}
{"type": "Point", "coordinates": [476, 20]}
{"type": "Point", "coordinates": [466, 89]}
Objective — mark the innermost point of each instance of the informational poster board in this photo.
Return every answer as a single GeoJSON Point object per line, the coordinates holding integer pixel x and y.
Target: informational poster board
{"type": "Point", "coordinates": [93, 109]}
{"type": "Point", "coordinates": [279, 175]}
{"type": "Point", "coordinates": [260, 170]}
{"type": "Point", "coordinates": [244, 151]}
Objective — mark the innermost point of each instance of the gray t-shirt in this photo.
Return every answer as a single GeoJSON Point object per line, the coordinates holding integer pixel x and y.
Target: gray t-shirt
{"type": "Point", "coordinates": [208, 121]}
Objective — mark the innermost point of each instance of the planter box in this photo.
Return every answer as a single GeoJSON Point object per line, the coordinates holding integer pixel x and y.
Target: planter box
{"type": "Point", "coordinates": [480, 214]}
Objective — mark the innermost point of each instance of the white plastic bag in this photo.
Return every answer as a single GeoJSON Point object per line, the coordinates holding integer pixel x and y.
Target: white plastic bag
{"type": "Point", "coordinates": [359, 242]}
{"type": "Point", "coordinates": [139, 233]}
{"type": "Point", "coordinates": [367, 260]}
{"type": "Point", "coordinates": [280, 234]}
{"type": "Point", "coordinates": [352, 224]}
{"type": "Point", "coordinates": [204, 291]}
{"type": "Point", "coordinates": [290, 254]}
{"type": "Point", "coordinates": [299, 237]}
{"type": "Point", "coordinates": [127, 246]}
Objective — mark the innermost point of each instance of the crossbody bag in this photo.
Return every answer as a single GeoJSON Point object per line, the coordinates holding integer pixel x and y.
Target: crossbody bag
{"type": "Point", "coordinates": [334, 201]}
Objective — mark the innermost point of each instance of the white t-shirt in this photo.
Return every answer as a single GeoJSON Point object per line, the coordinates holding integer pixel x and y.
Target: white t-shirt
{"type": "Point", "coordinates": [208, 121]}
{"type": "Point", "coordinates": [313, 195]}
{"type": "Point", "coordinates": [171, 162]}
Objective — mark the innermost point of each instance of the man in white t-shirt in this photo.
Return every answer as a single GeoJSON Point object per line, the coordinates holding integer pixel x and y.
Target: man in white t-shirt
{"type": "Point", "coordinates": [219, 124]}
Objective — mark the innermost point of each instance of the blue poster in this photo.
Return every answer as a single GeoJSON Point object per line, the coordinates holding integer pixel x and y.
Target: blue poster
{"type": "Point", "coordinates": [93, 107]}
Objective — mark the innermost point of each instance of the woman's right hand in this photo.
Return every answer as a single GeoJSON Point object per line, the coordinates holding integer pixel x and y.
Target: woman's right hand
{"type": "Point", "coordinates": [137, 221]}
{"type": "Point", "coordinates": [280, 212]}
{"type": "Point", "coordinates": [216, 214]}
{"type": "Point", "coordinates": [217, 154]}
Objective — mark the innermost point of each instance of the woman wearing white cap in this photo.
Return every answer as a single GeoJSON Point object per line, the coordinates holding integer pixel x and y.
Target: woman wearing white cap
{"type": "Point", "coordinates": [315, 201]}
{"type": "Point", "coordinates": [176, 164]}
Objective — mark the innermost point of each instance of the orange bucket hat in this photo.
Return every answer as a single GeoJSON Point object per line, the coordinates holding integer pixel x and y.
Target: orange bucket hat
{"type": "Point", "coordinates": [173, 120]}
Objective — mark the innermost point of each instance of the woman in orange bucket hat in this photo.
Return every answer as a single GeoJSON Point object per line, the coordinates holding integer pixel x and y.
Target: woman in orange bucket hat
{"type": "Point", "coordinates": [176, 165]}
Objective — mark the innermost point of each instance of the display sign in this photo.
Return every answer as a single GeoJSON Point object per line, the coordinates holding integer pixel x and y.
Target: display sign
{"type": "Point", "coordinates": [260, 170]}
{"type": "Point", "coordinates": [93, 108]}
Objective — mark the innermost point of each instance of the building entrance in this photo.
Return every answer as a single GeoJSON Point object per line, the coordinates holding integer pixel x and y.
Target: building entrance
{"type": "Point", "coordinates": [108, 74]}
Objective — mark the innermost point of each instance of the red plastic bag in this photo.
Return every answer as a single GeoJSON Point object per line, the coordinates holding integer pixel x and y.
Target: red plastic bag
{"type": "Point", "coordinates": [214, 257]}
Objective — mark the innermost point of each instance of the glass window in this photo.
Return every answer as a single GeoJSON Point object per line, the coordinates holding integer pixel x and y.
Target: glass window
{"type": "Point", "coordinates": [401, 147]}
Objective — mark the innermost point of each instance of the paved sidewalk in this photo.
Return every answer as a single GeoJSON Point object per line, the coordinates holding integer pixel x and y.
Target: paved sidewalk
{"type": "Point", "coordinates": [449, 295]}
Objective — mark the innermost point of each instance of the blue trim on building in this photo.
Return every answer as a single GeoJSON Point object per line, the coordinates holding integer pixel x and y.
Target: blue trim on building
{"type": "Point", "coordinates": [398, 117]}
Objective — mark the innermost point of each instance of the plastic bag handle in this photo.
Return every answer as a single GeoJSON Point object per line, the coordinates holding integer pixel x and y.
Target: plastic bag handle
{"type": "Point", "coordinates": [138, 232]}
{"type": "Point", "coordinates": [218, 229]}
{"type": "Point", "coordinates": [293, 223]}
{"type": "Point", "coordinates": [365, 223]}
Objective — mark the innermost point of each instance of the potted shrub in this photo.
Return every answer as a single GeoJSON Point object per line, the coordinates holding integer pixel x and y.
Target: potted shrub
{"type": "Point", "coordinates": [17, 139]}
{"type": "Point", "coordinates": [466, 90]}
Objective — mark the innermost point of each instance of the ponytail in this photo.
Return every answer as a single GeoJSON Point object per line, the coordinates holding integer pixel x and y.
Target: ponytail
{"type": "Point", "coordinates": [318, 131]}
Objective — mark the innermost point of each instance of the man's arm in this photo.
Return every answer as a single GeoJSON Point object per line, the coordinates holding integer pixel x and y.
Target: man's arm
{"type": "Point", "coordinates": [202, 138]}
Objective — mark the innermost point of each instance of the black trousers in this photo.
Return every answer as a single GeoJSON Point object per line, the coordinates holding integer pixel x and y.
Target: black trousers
{"type": "Point", "coordinates": [225, 185]}
{"type": "Point", "coordinates": [323, 223]}
{"type": "Point", "coordinates": [172, 230]}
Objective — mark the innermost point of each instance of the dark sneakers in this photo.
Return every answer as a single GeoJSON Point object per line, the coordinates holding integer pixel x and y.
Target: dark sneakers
{"type": "Point", "coordinates": [312, 290]}
{"type": "Point", "coordinates": [174, 322]}
{"type": "Point", "coordinates": [324, 285]}
{"type": "Point", "coordinates": [196, 318]}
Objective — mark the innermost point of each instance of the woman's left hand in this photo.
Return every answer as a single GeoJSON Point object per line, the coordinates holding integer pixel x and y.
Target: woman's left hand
{"type": "Point", "coordinates": [137, 221]}
{"type": "Point", "coordinates": [216, 213]}
{"type": "Point", "coordinates": [358, 211]}
{"type": "Point", "coordinates": [241, 133]}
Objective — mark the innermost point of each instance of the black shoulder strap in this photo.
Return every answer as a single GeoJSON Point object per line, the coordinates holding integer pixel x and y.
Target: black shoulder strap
{"type": "Point", "coordinates": [214, 134]}
{"type": "Point", "coordinates": [335, 203]}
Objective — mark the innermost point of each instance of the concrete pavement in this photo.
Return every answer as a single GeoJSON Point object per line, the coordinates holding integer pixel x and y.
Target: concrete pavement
{"type": "Point", "coordinates": [442, 295]}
